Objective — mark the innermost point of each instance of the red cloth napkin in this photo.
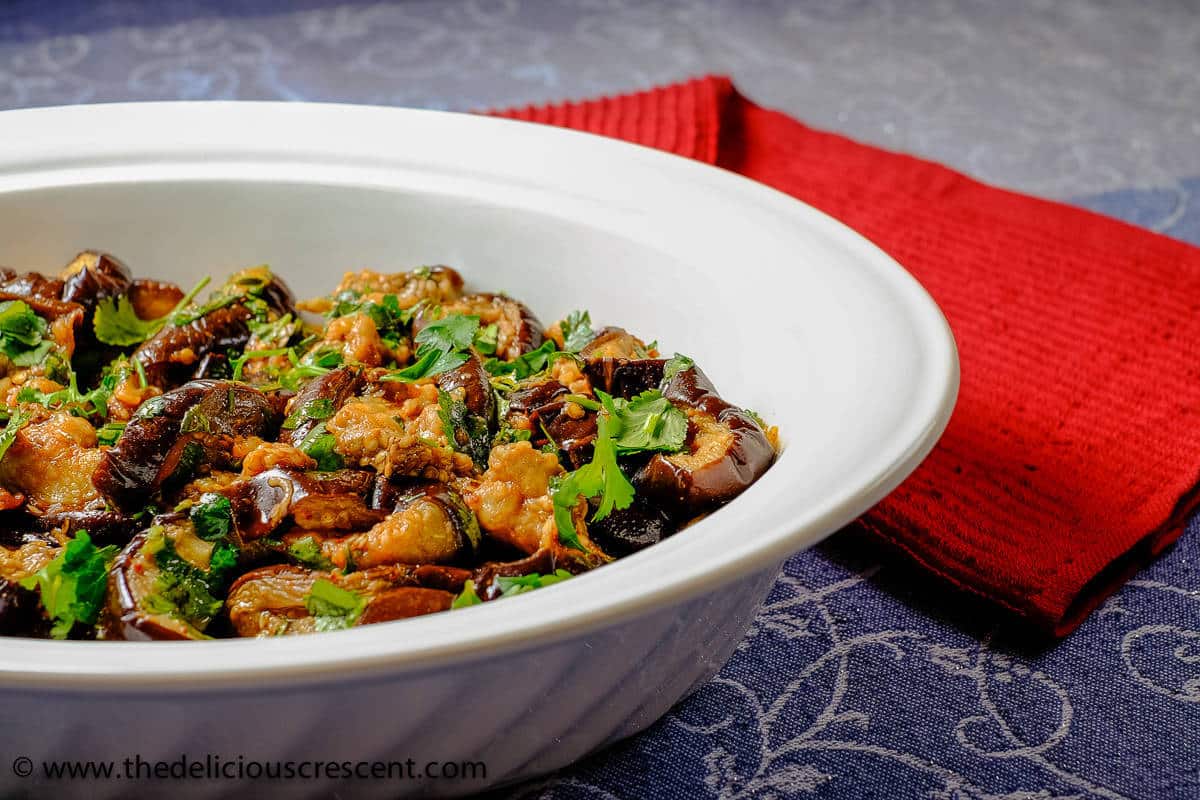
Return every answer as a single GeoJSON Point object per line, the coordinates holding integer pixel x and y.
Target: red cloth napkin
{"type": "Point", "coordinates": [1074, 451]}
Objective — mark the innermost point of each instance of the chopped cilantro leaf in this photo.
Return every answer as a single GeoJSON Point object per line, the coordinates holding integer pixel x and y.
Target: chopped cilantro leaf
{"type": "Point", "coordinates": [520, 584]}
{"type": "Point", "coordinates": [333, 607]}
{"type": "Point", "coordinates": [319, 445]}
{"type": "Point", "coordinates": [72, 585]}
{"type": "Point", "coordinates": [318, 409]}
{"type": "Point", "coordinates": [577, 331]}
{"type": "Point", "coordinates": [22, 334]}
{"type": "Point", "coordinates": [601, 478]}
{"type": "Point", "coordinates": [212, 517]}
{"type": "Point", "coordinates": [526, 364]}
{"type": "Point", "coordinates": [676, 364]}
{"type": "Point", "coordinates": [466, 432]}
{"type": "Point", "coordinates": [441, 347]}
{"type": "Point", "coordinates": [647, 423]}
{"type": "Point", "coordinates": [485, 340]}
{"type": "Point", "coordinates": [91, 404]}
{"type": "Point", "coordinates": [467, 597]}
{"type": "Point", "coordinates": [109, 433]}
{"type": "Point", "coordinates": [182, 589]}
{"type": "Point", "coordinates": [307, 551]}
{"type": "Point", "coordinates": [451, 332]}
{"type": "Point", "coordinates": [19, 419]}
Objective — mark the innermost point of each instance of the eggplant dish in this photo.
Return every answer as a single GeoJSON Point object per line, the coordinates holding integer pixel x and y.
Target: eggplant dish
{"type": "Point", "coordinates": [231, 462]}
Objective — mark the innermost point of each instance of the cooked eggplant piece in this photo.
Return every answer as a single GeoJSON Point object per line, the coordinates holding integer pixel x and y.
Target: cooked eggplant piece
{"type": "Point", "coordinates": [32, 287]}
{"type": "Point", "coordinates": [169, 357]}
{"type": "Point", "coordinates": [21, 611]}
{"type": "Point", "coordinates": [423, 523]}
{"type": "Point", "coordinates": [518, 330]}
{"type": "Point", "coordinates": [260, 282]}
{"type": "Point", "coordinates": [613, 342]}
{"type": "Point", "coordinates": [270, 601]}
{"type": "Point", "coordinates": [726, 450]}
{"type": "Point", "coordinates": [164, 584]}
{"type": "Point", "coordinates": [104, 526]}
{"type": "Point", "coordinates": [337, 387]}
{"type": "Point", "coordinates": [93, 276]}
{"type": "Point", "coordinates": [172, 434]}
{"type": "Point", "coordinates": [153, 299]}
{"type": "Point", "coordinates": [325, 501]}
{"type": "Point", "coordinates": [541, 409]}
{"type": "Point", "coordinates": [474, 382]}
{"type": "Point", "coordinates": [627, 530]}
{"type": "Point", "coordinates": [623, 377]}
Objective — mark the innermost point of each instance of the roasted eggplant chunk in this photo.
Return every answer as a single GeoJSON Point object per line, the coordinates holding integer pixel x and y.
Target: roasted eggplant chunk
{"type": "Point", "coordinates": [93, 276]}
{"type": "Point", "coordinates": [172, 434]}
{"type": "Point", "coordinates": [613, 342]}
{"type": "Point", "coordinates": [170, 356]}
{"type": "Point", "coordinates": [20, 611]}
{"type": "Point", "coordinates": [471, 381]}
{"type": "Point", "coordinates": [627, 530]}
{"type": "Point", "coordinates": [423, 523]}
{"type": "Point", "coordinates": [105, 526]}
{"type": "Point", "coordinates": [623, 377]}
{"type": "Point", "coordinates": [333, 388]}
{"type": "Point", "coordinates": [541, 407]}
{"type": "Point", "coordinates": [324, 501]}
{"type": "Point", "coordinates": [274, 600]}
{"type": "Point", "coordinates": [727, 450]}
{"type": "Point", "coordinates": [153, 299]}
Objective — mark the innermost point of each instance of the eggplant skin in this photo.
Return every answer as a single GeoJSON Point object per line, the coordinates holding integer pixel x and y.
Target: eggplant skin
{"type": "Point", "coordinates": [270, 600]}
{"type": "Point", "coordinates": [688, 488]}
{"type": "Point", "coordinates": [21, 612]}
{"type": "Point", "coordinates": [105, 527]}
{"type": "Point", "coordinates": [475, 383]}
{"type": "Point", "coordinates": [196, 422]}
{"type": "Point", "coordinates": [625, 377]}
{"type": "Point", "coordinates": [337, 387]}
{"type": "Point", "coordinates": [627, 530]}
{"type": "Point", "coordinates": [224, 329]}
{"type": "Point", "coordinates": [321, 500]}
{"type": "Point", "coordinates": [93, 276]}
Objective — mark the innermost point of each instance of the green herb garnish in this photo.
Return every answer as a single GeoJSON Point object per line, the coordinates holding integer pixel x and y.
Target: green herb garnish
{"type": "Point", "coordinates": [333, 607]}
{"type": "Point", "coordinates": [22, 334]}
{"type": "Point", "coordinates": [526, 364]}
{"type": "Point", "coordinates": [72, 586]}
{"type": "Point", "coordinates": [520, 584]}
{"type": "Point", "coordinates": [441, 346]}
{"type": "Point", "coordinates": [647, 423]}
{"type": "Point", "coordinates": [212, 517]}
{"type": "Point", "coordinates": [319, 445]}
{"type": "Point", "coordinates": [17, 420]}
{"type": "Point", "coordinates": [676, 364]}
{"type": "Point", "coordinates": [466, 432]}
{"type": "Point", "coordinates": [307, 551]}
{"type": "Point", "coordinates": [318, 409]}
{"type": "Point", "coordinates": [577, 331]}
{"type": "Point", "coordinates": [467, 597]}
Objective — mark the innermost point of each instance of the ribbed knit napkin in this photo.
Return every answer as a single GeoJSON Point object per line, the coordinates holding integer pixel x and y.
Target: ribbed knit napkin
{"type": "Point", "coordinates": [1074, 451]}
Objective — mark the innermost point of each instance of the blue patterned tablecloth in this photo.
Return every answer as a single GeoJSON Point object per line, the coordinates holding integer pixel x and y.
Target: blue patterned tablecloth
{"type": "Point", "coordinates": [859, 678]}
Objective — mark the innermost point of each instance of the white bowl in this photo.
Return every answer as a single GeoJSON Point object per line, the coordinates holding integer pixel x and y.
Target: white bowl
{"type": "Point", "coordinates": [789, 312]}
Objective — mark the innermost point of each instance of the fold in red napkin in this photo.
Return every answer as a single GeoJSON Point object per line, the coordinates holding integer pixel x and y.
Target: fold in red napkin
{"type": "Point", "coordinates": [1074, 451]}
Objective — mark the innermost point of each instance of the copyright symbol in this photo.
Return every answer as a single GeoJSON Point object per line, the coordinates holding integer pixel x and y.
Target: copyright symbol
{"type": "Point", "coordinates": [22, 766]}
